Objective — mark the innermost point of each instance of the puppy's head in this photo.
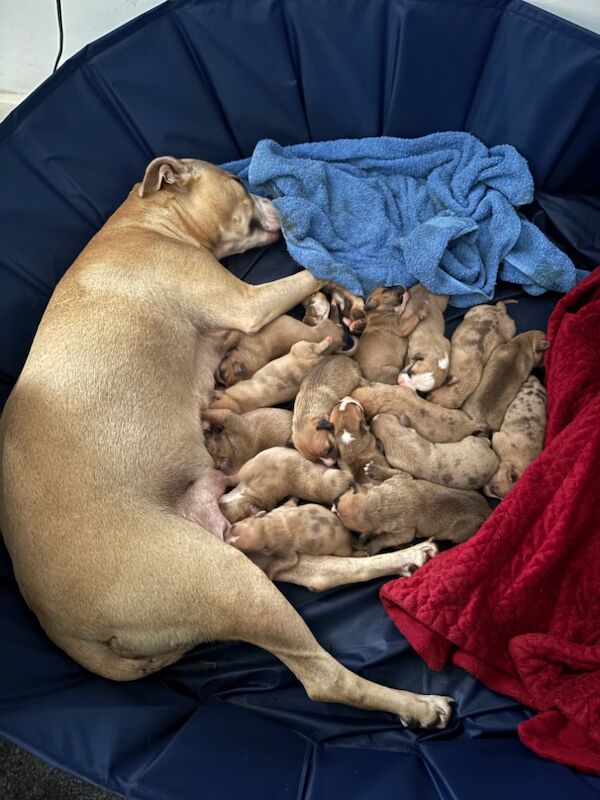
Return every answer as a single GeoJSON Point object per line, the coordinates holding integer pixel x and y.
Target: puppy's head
{"type": "Point", "coordinates": [348, 419]}
{"type": "Point", "coordinates": [387, 298]}
{"type": "Point", "coordinates": [316, 441]}
{"type": "Point", "coordinates": [248, 534]}
{"type": "Point", "coordinates": [502, 482]}
{"type": "Point", "coordinates": [214, 205]}
{"type": "Point", "coordinates": [238, 504]}
{"type": "Point", "coordinates": [219, 424]}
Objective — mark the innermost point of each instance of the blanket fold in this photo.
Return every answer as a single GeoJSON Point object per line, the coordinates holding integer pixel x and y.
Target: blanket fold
{"type": "Point", "coordinates": [518, 605]}
{"type": "Point", "coordinates": [439, 210]}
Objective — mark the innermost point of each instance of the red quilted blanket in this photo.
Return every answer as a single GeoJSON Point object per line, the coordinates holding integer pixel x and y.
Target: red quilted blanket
{"type": "Point", "coordinates": [518, 605]}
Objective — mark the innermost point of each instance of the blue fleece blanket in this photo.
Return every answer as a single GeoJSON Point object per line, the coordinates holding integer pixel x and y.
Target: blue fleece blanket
{"type": "Point", "coordinates": [439, 210]}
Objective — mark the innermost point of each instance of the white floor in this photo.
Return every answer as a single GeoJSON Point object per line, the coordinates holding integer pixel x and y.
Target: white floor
{"type": "Point", "coordinates": [8, 101]}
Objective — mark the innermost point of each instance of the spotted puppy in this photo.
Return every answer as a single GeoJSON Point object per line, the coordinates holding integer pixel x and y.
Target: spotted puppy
{"type": "Point", "coordinates": [503, 375]}
{"type": "Point", "coordinates": [428, 354]}
{"type": "Point", "coordinates": [324, 386]}
{"type": "Point", "coordinates": [392, 314]}
{"type": "Point", "coordinates": [356, 444]}
{"type": "Point", "coordinates": [392, 513]}
{"type": "Point", "coordinates": [467, 464]}
{"type": "Point", "coordinates": [232, 439]}
{"type": "Point", "coordinates": [277, 473]}
{"type": "Point", "coordinates": [276, 382]}
{"type": "Point", "coordinates": [290, 530]}
{"type": "Point", "coordinates": [274, 340]}
{"type": "Point", "coordinates": [481, 331]}
{"type": "Point", "coordinates": [433, 422]}
{"type": "Point", "coordinates": [520, 439]}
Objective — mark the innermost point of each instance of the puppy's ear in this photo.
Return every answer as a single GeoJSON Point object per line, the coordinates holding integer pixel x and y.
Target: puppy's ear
{"type": "Point", "coordinates": [371, 304]}
{"type": "Point", "coordinates": [450, 381]}
{"type": "Point", "coordinates": [163, 169]}
{"type": "Point", "coordinates": [260, 514]}
{"type": "Point", "coordinates": [240, 370]}
{"type": "Point", "coordinates": [543, 345]}
{"type": "Point", "coordinates": [364, 428]}
{"type": "Point", "coordinates": [324, 425]}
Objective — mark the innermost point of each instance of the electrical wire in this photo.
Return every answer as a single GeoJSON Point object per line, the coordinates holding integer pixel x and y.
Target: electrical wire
{"type": "Point", "coordinates": [61, 34]}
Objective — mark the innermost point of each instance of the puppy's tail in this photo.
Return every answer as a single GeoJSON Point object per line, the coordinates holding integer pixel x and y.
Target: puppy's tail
{"type": "Point", "coordinates": [507, 302]}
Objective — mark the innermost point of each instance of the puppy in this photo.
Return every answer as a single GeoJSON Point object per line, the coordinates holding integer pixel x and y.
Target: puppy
{"type": "Point", "coordinates": [316, 309]}
{"type": "Point", "coordinates": [232, 439]}
{"type": "Point", "coordinates": [392, 314]}
{"type": "Point", "coordinates": [428, 354]}
{"type": "Point", "coordinates": [503, 375]}
{"type": "Point", "coordinates": [277, 473]}
{"type": "Point", "coordinates": [482, 329]}
{"type": "Point", "coordinates": [355, 443]}
{"type": "Point", "coordinates": [520, 439]}
{"type": "Point", "coordinates": [433, 422]}
{"type": "Point", "coordinates": [276, 382]}
{"type": "Point", "coordinates": [274, 340]}
{"type": "Point", "coordinates": [468, 464]}
{"type": "Point", "coordinates": [290, 530]}
{"type": "Point", "coordinates": [392, 513]}
{"type": "Point", "coordinates": [324, 386]}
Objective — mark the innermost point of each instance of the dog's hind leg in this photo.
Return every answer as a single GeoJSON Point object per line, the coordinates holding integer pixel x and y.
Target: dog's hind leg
{"type": "Point", "coordinates": [326, 572]}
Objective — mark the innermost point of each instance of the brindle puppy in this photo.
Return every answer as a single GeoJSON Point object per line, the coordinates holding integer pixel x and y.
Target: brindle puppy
{"type": "Point", "coordinates": [482, 329]}
{"type": "Point", "coordinates": [435, 423]}
{"type": "Point", "coordinates": [467, 464]}
{"type": "Point", "coordinates": [521, 438]}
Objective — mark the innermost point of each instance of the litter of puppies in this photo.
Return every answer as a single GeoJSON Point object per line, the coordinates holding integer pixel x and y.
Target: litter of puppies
{"type": "Point", "coordinates": [393, 438]}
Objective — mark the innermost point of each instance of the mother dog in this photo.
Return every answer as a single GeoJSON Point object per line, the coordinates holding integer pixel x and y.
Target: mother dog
{"type": "Point", "coordinates": [108, 495]}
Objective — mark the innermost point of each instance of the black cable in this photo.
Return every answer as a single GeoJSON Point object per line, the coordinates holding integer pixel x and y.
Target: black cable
{"type": "Point", "coordinates": [61, 35]}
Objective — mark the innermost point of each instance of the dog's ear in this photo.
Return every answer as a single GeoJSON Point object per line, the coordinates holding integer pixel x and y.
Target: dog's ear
{"type": "Point", "coordinates": [167, 169]}
{"type": "Point", "coordinates": [450, 381]}
{"type": "Point", "coordinates": [364, 428]}
{"type": "Point", "coordinates": [324, 425]}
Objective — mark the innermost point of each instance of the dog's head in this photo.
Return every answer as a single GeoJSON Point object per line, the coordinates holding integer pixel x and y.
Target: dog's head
{"type": "Point", "coordinates": [387, 298]}
{"type": "Point", "coordinates": [212, 205]}
{"type": "Point", "coordinates": [502, 482]}
{"type": "Point", "coordinates": [316, 441]}
{"type": "Point", "coordinates": [248, 534]}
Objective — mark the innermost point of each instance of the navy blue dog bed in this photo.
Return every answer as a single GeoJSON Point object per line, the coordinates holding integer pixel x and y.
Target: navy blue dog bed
{"type": "Point", "coordinates": [209, 79]}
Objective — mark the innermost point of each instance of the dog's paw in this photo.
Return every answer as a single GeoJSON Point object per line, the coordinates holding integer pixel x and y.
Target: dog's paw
{"type": "Point", "coordinates": [415, 556]}
{"type": "Point", "coordinates": [430, 711]}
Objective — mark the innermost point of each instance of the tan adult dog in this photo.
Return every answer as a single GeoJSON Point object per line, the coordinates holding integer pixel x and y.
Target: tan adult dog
{"type": "Point", "coordinates": [102, 436]}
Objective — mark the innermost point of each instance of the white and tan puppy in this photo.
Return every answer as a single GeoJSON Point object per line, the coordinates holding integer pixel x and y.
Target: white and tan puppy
{"type": "Point", "coordinates": [481, 331]}
{"type": "Point", "coordinates": [467, 464]}
{"type": "Point", "coordinates": [521, 437]}
{"type": "Point", "coordinates": [101, 443]}
{"type": "Point", "coordinates": [428, 354]}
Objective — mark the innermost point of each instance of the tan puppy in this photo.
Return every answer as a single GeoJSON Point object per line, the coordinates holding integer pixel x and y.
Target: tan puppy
{"type": "Point", "coordinates": [521, 438]}
{"type": "Point", "coordinates": [435, 423]}
{"type": "Point", "coordinates": [355, 443]}
{"type": "Point", "coordinates": [428, 354]}
{"type": "Point", "coordinates": [324, 386]}
{"type": "Point", "coordinates": [290, 530]}
{"type": "Point", "coordinates": [392, 513]}
{"type": "Point", "coordinates": [467, 464]}
{"type": "Point", "coordinates": [101, 438]}
{"type": "Point", "coordinates": [274, 340]}
{"type": "Point", "coordinates": [276, 382]}
{"type": "Point", "coordinates": [503, 375]}
{"type": "Point", "coordinates": [277, 473]}
{"type": "Point", "coordinates": [392, 314]}
{"type": "Point", "coordinates": [481, 331]}
{"type": "Point", "coordinates": [232, 439]}
{"type": "Point", "coordinates": [316, 309]}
